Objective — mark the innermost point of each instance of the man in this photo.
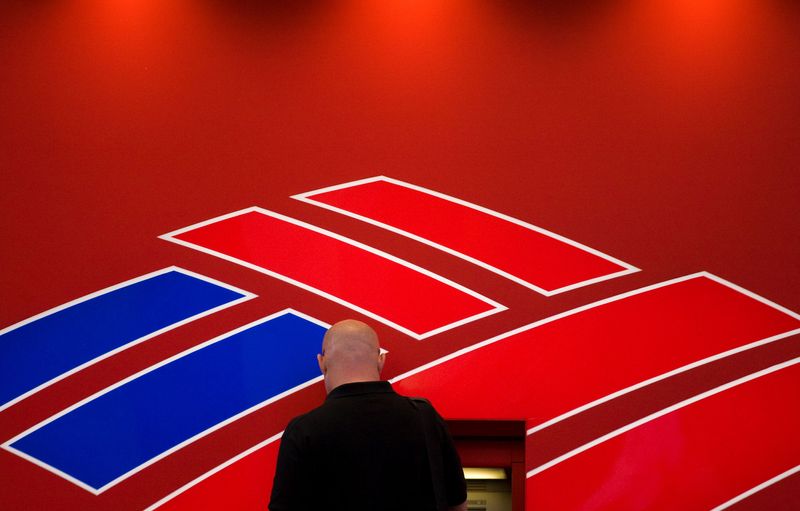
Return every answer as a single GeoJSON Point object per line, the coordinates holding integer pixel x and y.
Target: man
{"type": "Point", "coordinates": [366, 448]}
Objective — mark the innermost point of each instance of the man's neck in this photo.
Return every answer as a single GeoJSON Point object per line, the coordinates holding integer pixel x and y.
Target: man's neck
{"type": "Point", "coordinates": [331, 382]}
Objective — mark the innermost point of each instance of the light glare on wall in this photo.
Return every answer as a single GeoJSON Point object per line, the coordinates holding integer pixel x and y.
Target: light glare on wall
{"type": "Point", "coordinates": [484, 473]}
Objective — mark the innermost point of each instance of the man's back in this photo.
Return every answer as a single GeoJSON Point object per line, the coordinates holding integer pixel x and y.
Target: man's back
{"type": "Point", "coordinates": [365, 448]}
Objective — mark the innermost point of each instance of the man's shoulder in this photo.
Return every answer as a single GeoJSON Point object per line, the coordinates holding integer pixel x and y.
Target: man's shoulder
{"type": "Point", "coordinates": [422, 404]}
{"type": "Point", "coordinates": [304, 419]}
{"type": "Point", "coordinates": [419, 401]}
{"type": "Point", "coordinates": [296, 422]}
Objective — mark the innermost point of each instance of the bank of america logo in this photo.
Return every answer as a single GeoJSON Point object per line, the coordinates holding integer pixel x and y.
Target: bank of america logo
{"type": "Point", "coordinates": [542, 372]}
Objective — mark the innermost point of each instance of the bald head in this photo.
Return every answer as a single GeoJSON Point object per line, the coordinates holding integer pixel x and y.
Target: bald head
{"type": "Point", "coordinates": [350, 353]}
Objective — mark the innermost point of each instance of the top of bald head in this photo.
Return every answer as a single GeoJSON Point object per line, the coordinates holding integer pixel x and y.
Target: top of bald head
{"type": "Point", "coordinates": [351, 353]}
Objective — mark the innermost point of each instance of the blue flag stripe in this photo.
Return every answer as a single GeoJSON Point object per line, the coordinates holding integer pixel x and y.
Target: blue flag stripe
{"type": "Point", "coordinates": [117, 432]}
{"type": "Point", "coordinates": [46, 347]}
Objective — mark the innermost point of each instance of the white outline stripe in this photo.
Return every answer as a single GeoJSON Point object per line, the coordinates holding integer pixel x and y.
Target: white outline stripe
{"type": "Point", "coordinates": [661, 413]}
{"type": "Point", "coordinates": [218, 468]}
{"type": "Point", "coordinates": [605, 301]}
{"type": "Point", "coordinates": [306, 197]}
{"type": "Point", "coordinates": [756, 489]}
{"type": "Point", "coordinates": [496, 307]}
{"type": "Point", "coordinates": [96, 491]}
{"type": "Point", "coordinates": [246, 295]}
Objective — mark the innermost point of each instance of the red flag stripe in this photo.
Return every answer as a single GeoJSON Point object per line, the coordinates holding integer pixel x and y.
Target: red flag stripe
{"type": "Point", "coordinates": [529, 255]}
{"type": "Point", "coordinates": [616, 345]}
{"type": "Point", "coordinates": [404, 296]}
{"type": "Point", "coordinates": [694, 455]}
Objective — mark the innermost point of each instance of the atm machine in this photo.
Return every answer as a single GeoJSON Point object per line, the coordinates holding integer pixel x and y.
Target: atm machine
{"type": "Point", "coordinates": [493, 456]}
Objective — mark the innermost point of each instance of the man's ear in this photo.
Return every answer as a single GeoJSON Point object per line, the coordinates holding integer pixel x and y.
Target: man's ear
{"type": "Point", "coordinates": [381, 361]}
{"type": "Point", "coordinates": [321, 363]}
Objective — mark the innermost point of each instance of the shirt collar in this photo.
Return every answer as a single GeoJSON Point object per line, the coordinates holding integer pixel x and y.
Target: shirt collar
{"type": "Point", "coordinates": [360, 387]}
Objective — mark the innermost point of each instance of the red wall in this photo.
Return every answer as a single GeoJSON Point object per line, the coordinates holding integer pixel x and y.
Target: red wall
{"type": "Point", "coordinates": [664, 133]}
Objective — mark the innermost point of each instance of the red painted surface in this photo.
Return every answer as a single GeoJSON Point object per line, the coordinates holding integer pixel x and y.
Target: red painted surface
{"type": "Point", "coordinates": [532, 256]}
{"type": "Point", "coordinates": [399, 294]}
{"type": "Point", "coordinates": [244, 484]}
{"type": "Point", "coordinates": [555, 367]}
{"type": "Point", "coordinates": [697, 457]}
{"type": "Point", "coordinates": [661, 132]}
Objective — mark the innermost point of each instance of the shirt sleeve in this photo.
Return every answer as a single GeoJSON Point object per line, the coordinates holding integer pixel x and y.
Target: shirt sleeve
{"type": "Point", "coordinates": [454, 482]}
{"type": "Point", "coordinates": [287, 486]}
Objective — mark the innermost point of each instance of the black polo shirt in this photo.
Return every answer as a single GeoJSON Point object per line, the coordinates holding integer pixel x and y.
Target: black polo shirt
{"type": "Point", "coordinates": [365, 449]}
